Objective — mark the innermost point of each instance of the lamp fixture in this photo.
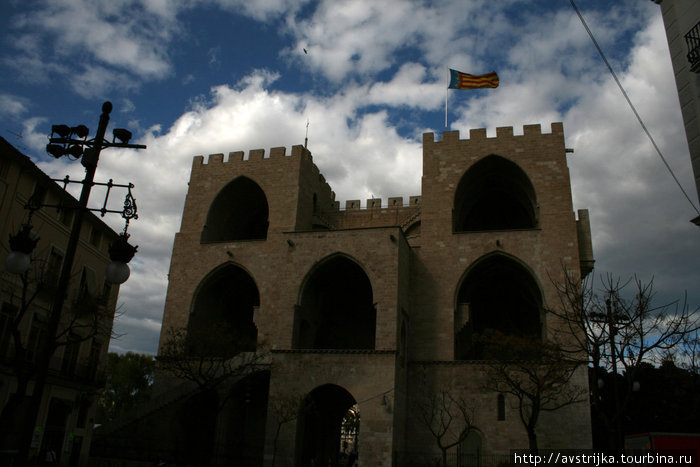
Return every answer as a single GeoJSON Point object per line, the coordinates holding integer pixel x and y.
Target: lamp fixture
{"type": "Point", "coordinates": [122, 135]}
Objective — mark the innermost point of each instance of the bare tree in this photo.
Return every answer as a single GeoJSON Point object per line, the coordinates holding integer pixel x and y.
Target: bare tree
{"type": "Point", "coordinates": [537, 373]}
{"type": "Point", "coordinates": [210, 357]}
{"type": "Point", "coordinates": [89, 317]}
{"type": "Point", "coordinates": [617, 328]}
{"type": "Point", "coordinates": [449, 419]}
{"type": "Point", "coordinates": [287, 408]}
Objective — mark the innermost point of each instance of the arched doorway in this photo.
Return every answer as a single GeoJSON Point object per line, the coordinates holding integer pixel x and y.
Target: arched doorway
{"type": "Point", "coordinates": [239, 212]}
{"type": "Point", "coordinates": [328, 427]}
{"type": "Point", "coordinates": [499, 294]}
{"type": "Point", "coordinates": [245, 416]}
{"type": "Point", "coordinates": [470, 450]}
{"type": "Point", "coordinates": [336, 310]}
{"type": "Point", "coordinates": [494, 194]}
{"type": "Point", "coordinates": [221, 323]}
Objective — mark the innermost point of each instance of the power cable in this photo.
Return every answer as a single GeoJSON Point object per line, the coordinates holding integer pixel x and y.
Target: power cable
{"type": "Point", "coordinates": [624, 93]}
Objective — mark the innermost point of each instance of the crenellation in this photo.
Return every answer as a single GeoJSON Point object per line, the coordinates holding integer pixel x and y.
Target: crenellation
{"type": "Point", "coordinates": [450, 136]}
{"type": "Point", "coordinates": [477, 133]}
{"type": "Point", "coordinates": [396, 201]}
{"type": "Point", "coordinates": [256, 154]}
{"type": "Point", "coordinates": [197, 161]}
{"type": "Point", "coordinates": [374, 203]}
{"type": "Point", "coordinates": [504, 132]}
{"type": "Point", "coordinates": [532, 130]}
{"type": "Point", "coordinates": [415, 200]}
{"type": "Point", "coordinates": [216, 158]}
{"type": "Point", "coordinates": [352, 204]}
{"type": "Point", "coordinates": [277, 152]}
{"type": "Point", "coordinates": [235, 156]}
{"type": "Point", "coordinates": [297, 150]}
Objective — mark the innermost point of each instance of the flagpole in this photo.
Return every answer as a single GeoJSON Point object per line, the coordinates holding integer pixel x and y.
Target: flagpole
{"type": "Point", "coordinates": [447, 86]}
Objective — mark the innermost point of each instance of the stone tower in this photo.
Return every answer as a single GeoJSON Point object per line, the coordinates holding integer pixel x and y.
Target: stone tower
{"type": "Point", "coordinates": [363, 308]}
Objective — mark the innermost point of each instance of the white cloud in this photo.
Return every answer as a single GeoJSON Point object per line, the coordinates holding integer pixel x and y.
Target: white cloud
{"type": "Point", "coordinates": [14, 106]}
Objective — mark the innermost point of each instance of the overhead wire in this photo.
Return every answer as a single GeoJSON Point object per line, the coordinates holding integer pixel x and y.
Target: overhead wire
{"type": "Point", "coordinates": [624, 93]}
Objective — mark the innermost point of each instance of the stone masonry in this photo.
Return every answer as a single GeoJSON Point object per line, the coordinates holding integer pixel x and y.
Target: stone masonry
{"type": "Point", "coordinates": [389, 282]}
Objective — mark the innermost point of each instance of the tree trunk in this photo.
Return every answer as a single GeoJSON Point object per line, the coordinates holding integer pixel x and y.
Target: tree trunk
{"type": "Point", "coordinates": [532, 440]}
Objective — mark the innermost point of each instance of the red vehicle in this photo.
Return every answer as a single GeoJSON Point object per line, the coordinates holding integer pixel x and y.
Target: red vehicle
{"type": "Point", "coordinates": [656, 448]}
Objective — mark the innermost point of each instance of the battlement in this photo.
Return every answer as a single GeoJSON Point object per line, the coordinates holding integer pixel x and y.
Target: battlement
{"type": "Point", "coordinates": [252, 155]}
{"type": "Point", "coordinates": [376, 203]}
{"type": "Point", "coordinates": [479, 134]}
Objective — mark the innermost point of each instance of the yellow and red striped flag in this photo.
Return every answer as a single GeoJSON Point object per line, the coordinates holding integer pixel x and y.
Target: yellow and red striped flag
{"type": "Point", "coordinates": [459, 80]}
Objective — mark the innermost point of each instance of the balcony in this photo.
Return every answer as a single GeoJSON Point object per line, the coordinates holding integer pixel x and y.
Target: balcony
{"type": "Point", "coordinates": [692, 39]}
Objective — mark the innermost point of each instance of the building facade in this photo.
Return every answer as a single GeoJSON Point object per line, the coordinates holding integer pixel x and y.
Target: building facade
{"type": "Point", "coordinates": [362, 313]}
{"type": "Point", "coordinates": [69, 400]}
{"type": "Point", "coordinates": [682, 23]}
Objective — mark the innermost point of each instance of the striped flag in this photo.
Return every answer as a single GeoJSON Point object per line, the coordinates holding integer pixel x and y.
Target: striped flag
{"type": "Point", "coordinates": [459, 80]}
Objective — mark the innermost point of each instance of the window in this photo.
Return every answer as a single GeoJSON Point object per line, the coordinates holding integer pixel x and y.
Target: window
{"type": "Point", "coordinates": [95, 236]}
{"type": "Point", "coordinates": [336, 309]}
{"type": "Point", "coordinates": [93, 360]}
{"type": "Point", "coordinates": [497, 294]}
{"type": "Point", "coordinates": [222, 320]}
{"type": "Point", "coordinates": [239, 212]}
{"type": "Point", "coordinates": [494, 194]}
{"type": "Point", "coordinates": [501, 407]}
{"type": "Point", "coordinates": [38, 196]}
{"type": "Point", "coordinates": [37, 337]}
{"type": "Point", "coordinates": [70, 356]}
{"type": "Point", "coordinates": [65, 216]}
{"type": "Point", "coordinates": [53, 267]}
{"type": "Point", "coordinates": [7, 314]}
{"type": "Point", "coordinates": [106, 293]}
{"type": "Point", "coordinates": [88, 283]}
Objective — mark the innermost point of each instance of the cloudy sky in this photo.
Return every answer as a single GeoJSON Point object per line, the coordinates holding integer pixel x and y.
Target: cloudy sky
{"type": "Point", "coordinates": [207, 76]}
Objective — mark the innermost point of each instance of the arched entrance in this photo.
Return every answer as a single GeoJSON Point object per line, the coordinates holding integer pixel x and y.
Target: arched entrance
{"type": "Point", "coordinates": [336, 310]}
{"type": "Point", "coordinates": [494, 194]}
{"type": "Point", "coordinates": [221, 323]}
{"type": "Point", "coordinates": [499, 294]}
{"type": "Point", "coordinates": [328, 427]}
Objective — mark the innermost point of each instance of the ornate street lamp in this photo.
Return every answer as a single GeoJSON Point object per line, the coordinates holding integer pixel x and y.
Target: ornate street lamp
{"type": "Point", "coordinates": [74, 143]}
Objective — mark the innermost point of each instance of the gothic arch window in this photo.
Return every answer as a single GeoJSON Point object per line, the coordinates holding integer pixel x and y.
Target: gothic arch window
{"type": "Point", "coordinates": [336, 309]}
{"type": "Point", "coordinates": [239, 212]}
{"type": "Point", "coordinates": [494, 194]}
{"type": "Point", "coordinates": [221, 322]}
{"type": "Point", "coordinates": [499, 294]}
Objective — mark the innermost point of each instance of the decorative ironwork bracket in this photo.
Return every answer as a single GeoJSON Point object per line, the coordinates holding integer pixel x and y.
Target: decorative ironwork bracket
{"type": "Point", "coordinates": [130, 210]}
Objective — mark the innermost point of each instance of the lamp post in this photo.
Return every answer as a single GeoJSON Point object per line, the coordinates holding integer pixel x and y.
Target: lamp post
{"type": "Point", "coordinates": [72, 141]}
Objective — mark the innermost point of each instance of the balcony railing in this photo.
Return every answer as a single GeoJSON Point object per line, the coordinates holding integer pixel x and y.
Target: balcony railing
{"type": "Point", "coordinates": [692, 39]}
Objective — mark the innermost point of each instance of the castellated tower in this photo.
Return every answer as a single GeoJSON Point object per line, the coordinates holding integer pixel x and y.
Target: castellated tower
{"type": "Point", "coordinates": [360, 310]}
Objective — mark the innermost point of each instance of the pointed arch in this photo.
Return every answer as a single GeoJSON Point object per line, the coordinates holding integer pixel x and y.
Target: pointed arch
{"type": "Point", "coordinates": [497, 292]}
{"type": "Point", "coordinates": [239, 212]}
{"type": "Point", "coordinates": [321, 427]}
{"type": "Point", "coordinates": [335, 308]}
{"type": "Point", "coordinates": [221, 321]}
{"type": "Point", "coordinates": [494, 194]}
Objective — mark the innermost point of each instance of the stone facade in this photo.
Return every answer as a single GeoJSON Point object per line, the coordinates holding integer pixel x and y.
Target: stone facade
{"type": "Point", "coordinates": [366, 305]}
{"type": "Point", "coordinates": [682, 24]}
{"type": "Point", "coordinates": [75, 375]}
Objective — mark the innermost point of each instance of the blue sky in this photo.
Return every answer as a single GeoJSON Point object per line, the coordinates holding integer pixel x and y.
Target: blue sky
{"type": "Point", "coordinates": [208, 76]}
